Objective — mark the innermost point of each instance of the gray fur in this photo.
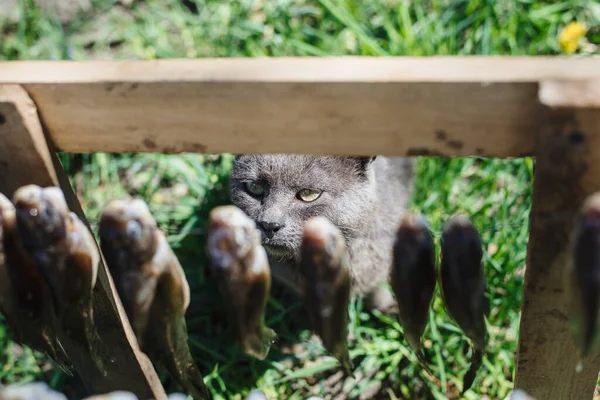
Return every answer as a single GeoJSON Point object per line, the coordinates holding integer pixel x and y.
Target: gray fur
{"type": "Point", "coordinates": [365, 197]}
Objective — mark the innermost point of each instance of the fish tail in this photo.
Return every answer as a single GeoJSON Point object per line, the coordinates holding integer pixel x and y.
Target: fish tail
{"type": "Point", "coordinates": [184, 370]}
{"type": "Point", "coordinates": [258, 344]}
{"type": "Point", "coordinates": [178, 361]}
{"type": "Point", "coordinates": [471, 374]}
{"type": "Point", "coordinates": [343, 357]}
{"type": "Point", "coordinates": [415, 343]}
{"type": "Point", "coordinates": [64, 367]}
{"type": "Point", "coordinates": [97, 347]}
{"type": "Point", "coordinates": [423, 361]}
{"type": "Point", "coordinates": [267, 338]}
{"type": "Point", "coordinates": [195, 384]}
{"type": "Point", "coordinates": [57, 353]}
{"type": "Point", "coordinates": [269, 335]}
{"type": "Point", "coordinates": [78, 323]}
{"type": "Point", "coordinates": [62, 360]}
{"type": "Point", "coordinates": [348, 367]}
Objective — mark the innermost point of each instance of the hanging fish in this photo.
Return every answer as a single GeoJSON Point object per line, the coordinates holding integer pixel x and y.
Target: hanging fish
{"type": "Point", "coordinates": [66, 254]}
{"type": "Point", "coordinates": [25, 298]}
{"type": "Point", "coordinates": [413, 278]}
{"type": "Point", "coordinates": [463, 286]}
{"type": "Point", "coordinates": [152, 287]}
{"type": "Point", "coordinates": [242, 269]}
{"type": "Point", "coordinates": [326, 284]}
{"type": "Point", "coordinates": [583, 282]}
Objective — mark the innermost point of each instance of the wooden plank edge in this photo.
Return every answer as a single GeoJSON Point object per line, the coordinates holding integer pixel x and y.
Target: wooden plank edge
{"type": "Point", "coordinates": [108, 286]}
{"type": "Point", "coordinates": [484, 69]}
{"type": "Point", "coordinates": [566, 166]}
{"type": "Point", "coordinates": [24, 105]}
{"type": "Point", "coordinates": [104, 291]}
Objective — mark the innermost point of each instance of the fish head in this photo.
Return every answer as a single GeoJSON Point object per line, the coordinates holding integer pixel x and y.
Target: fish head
{"type": "Point", "coordinates": [41, 215]}
{"type": "Point", "coordinates": [232, 235]}
{"type": "Point", "coordinates": [128, 227]}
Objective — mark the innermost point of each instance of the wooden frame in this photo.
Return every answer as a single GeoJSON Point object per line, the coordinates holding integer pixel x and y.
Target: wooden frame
{"type": "Point", "coordinates": [547, 107]}
{"type": "Point", "coordinates": [415, 106]}
{"type": "Point", "coordinates": [26, 157]}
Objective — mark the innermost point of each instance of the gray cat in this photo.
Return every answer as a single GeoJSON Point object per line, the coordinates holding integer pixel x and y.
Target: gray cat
{"type": "Point", "coordinates": [365, 197]}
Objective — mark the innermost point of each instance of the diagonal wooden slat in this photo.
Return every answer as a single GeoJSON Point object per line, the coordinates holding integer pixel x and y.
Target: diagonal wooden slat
{"type": "Point", "coordinates": [447, 106]}
{"type": "Point", "coordinates": [27, 158]}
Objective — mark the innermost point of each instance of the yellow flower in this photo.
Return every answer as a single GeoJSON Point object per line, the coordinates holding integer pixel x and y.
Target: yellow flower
{"type": "Point", "coordinates": [570, 35]}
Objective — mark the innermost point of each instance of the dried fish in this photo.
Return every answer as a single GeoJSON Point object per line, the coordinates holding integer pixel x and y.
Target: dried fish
{"type": "Point", "coordinates": [153, 288]}
{"type": "Point", "coordinates": [413, 278]}
{"type": "Point", "coordinates": [463, 286]}
{"type": "Point", "coordinates": [326, 284]}
{"type": "Point", "coordinates": [66, 254]}
{"type": "Point", "coordinates": [26, 301]}
{"type": "Point", "coordinates": [244, 277]}
{"type": "Point", "coordinates": [583, 278]}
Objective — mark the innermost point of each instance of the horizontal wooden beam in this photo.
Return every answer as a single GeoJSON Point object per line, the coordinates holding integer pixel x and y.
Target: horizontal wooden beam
{"type": "Point", "coordinates": [449, 106]}
{"type": "Point", "coordinates": [344, 69]}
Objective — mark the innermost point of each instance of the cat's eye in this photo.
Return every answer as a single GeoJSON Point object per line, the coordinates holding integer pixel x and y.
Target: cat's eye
{"type": "Point", "coordinates": [308, 195]}
{"type": "Point", "coordinates": [254, 188]}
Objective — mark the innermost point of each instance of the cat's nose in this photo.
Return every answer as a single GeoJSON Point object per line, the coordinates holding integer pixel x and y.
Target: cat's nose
{"type": "Point", "coordinates": [270, 228]}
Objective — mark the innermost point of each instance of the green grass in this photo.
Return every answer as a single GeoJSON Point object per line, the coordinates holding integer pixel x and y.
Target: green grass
{"type": "Point", "coordinates": [182, 189]}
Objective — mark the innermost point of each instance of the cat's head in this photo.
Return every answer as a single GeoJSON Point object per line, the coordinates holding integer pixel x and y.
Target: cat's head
{"type": "Point", "coordinates": [281, 192]}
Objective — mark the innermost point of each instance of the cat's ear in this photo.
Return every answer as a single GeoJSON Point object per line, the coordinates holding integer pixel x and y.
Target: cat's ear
{"type": "Point", "coordinates": [364, 162]}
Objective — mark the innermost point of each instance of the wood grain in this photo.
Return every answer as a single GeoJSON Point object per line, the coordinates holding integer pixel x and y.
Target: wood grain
{"type": "Point", "coordinates": [449, 106]}
{"type": "Point", "coordinates": [305, 118]}
{"type": "Point", "coordinates": [567, 170]}
{"type": "Point", "coordinates": [27, 158]}
{"type": "Point", "coordinates": [21, 152]}
{"type": "Point", "coordinates": [344, 69]}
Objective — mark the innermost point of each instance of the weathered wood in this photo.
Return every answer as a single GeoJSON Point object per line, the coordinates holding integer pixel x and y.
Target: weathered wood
{"type": "Point", "coordinates": [344, 69]}
{"type": "Point", "coordinates": [310, 118]}
{"type": "Point", "coordinates": [567, 170]}
{"type": "Point", "coordinates": [24, 157]}
{"type": "Point", "coordinates": [453, 106]}
{"type": "Point", "coordinates": [27, 158]}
